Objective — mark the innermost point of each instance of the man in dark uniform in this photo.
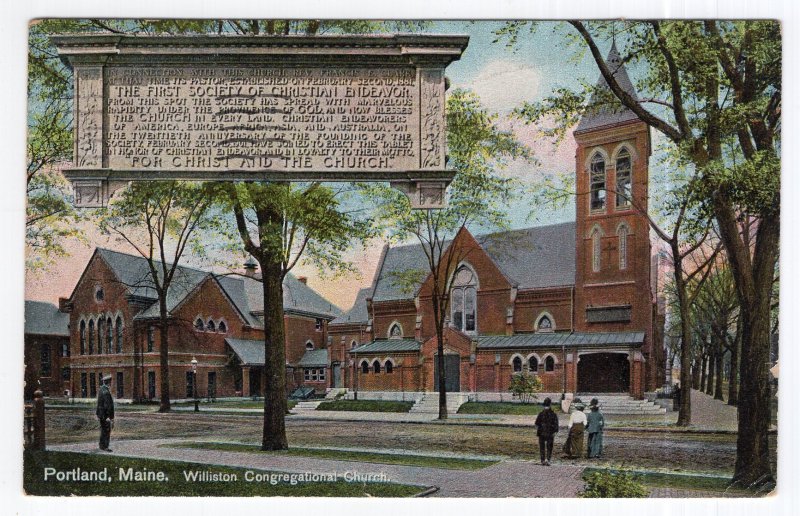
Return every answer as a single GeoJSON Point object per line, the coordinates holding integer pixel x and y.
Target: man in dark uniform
{"type": "Point", "coordinates": [105, 412]}
{"type": "Point", "coordinates": [546, 427]}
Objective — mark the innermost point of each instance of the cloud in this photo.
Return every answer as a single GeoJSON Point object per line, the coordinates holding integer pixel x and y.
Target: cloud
{"type": "Point", "coordinates": [504, 84]}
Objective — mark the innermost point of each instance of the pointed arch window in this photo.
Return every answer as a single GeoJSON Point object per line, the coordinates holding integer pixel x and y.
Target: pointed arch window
{"type": "Point", "coordinates": [596, 248]}
{"type": "Point", "coordinates": [210, 326]}
{"type": "Point", "coordinates": [533, 365]}
{"type": "Point", "coordinates": [100, 324]}
{"type": "Point", "coordinates": [109, 336]}
{"type": "Point", "coordinates": [118, 343]}
{"type": "Point", "coordinates": [389, 367]}
{"type": "Point", "coordinates": [549, 364]}
{"type": "Point", "coordinates": [623, 179]}
{"type": "Point", "coordinates": [376, 367]}
{"type": "Point", "coordinates": [91, 336]}
{"type": "Point", "coordinates": [309, 345]}
{"type": "Point", "coordinates": [597, 175]}
{"type": "Point", "coordinates": [222, 328]}
{"type": "Point", "coordinates": [396, 331]}
{"type": "Point", "coordinates": [365, 367]}
{"type": "Point", "coordinates": [83, 337]}
{"type": "Point", "coordinates": [517, 364]}
{"type": "Point", "coordinates": [622, 234]}
{"type": "Point", "coordinates": [464, 300]}
{"type": "Point", "coordinates": [198, 324]}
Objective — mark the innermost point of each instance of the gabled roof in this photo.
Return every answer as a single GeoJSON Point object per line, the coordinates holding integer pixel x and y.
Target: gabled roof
{"type": "Point", "coordinates": [314, 358]}
{"type": "Point", "coordinates": [358, 312]}
{"type": "Point", "coordinates": [388, 346]}
{"type": "Point", "coordinates": [549, 340]}
{"type": "Point", "coordinates": [604, 108]}
{"type": "Point", "coordinates": [244, 292]}
{"type": "Point", "coordinates": [250, 352]}
{"type": "Point", "coordinates": [45, 319]}
{"type": "Point", "coordinates": [537, 257]}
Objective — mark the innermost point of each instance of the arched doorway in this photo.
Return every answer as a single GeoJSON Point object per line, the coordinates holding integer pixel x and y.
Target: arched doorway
{"type": "Point", "coordinates": [604, 372]}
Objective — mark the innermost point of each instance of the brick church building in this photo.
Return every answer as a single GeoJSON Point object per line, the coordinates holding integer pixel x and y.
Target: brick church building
{"type": "Point", "coordinates": [574, 303]}
{"type": "Point", "coordinates": [216, 320]}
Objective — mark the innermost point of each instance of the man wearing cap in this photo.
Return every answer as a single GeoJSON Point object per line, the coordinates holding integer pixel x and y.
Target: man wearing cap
{"type": "Point", "coordinates": [105, 412]}
{"type": "Point", "coordinates": [546, 427]}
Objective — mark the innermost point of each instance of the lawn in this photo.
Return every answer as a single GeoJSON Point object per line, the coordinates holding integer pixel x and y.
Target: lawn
{"type": "Point", "coordinates": [367, 405]}
{"type": "Point", "coordinates": [245, 403]}
{"type": "Point", "coordinates": [496, 407]}
{"type": "Point", "coordinates": [233, 480]}
{"type": "Point", "coordinates": [355, 456]}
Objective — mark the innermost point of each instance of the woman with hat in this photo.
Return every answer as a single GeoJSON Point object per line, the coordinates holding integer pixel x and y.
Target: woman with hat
{"type": "Point", "coordinates": [573, 446]}
{"type": "Point", "coordinates": [595, 424]}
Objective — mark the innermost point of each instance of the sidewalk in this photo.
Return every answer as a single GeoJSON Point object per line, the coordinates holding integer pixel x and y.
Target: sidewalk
{"type": "Point", "coordinates": [509, 478]}
{"type": "Point", "coordinates": [708, 416]}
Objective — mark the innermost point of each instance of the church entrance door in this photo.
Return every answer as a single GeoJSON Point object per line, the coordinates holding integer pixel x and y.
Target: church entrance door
{"type": "Point", "coordinates": [452, 373]}
{"type": "Point", "coordinates": [604, 372]}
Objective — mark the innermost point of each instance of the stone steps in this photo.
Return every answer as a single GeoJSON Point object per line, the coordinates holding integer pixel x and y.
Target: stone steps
{"type": "Point", "coordinates": [429, 404]}
{"type": "Point", "coordinates": [306, 406]}
{"type": "Point", "coordinates": [623, 405]}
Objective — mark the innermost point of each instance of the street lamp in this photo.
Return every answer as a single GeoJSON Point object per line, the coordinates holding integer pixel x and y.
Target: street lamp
{"type": "Point", "coordinates": [194, 384]}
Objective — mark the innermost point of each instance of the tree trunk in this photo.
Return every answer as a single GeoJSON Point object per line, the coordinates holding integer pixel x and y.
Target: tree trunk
{"type": "Point", "coordinates": [720, 363]}
{"type": "Point", "coordinates": [685, 409]}
{"type": "Point", "coordinates": [163, 354]}
{"type": "Point", "coordinates": [703, 373]}
{"type": "Point", "coordinates": [733, 381]}
{"type": "Point", "coordinates": [274, 374]}
{"type": "Point", "coordinates": [695, 374]}
{"type": "Point", "coordinates": [753, 273]}
{"type": "Point", "coordinates": [440, 358]}
{"type": "Point", "coordinates": [712, 359]}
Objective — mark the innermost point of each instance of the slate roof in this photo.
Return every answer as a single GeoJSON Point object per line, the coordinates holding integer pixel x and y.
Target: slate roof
{"type": "Point", "coordinates": [244, 292]}
{"type": "Point", "coordinates": [250, 352]}
{"type": "Point", "coordinates": [546, 340]}
{"type": "Point", "coordinates": [537, 257]}
{"type": "Point", "coordinates": [314, 358]}
{"type": "Point", "coordinates": [388, 346]}
{"type": "Point", "coordinates": [603, 110]}
{"type": "Point", "coordinates": [358, 312]}
{"type": "Point", "coordinates": [45, 319]}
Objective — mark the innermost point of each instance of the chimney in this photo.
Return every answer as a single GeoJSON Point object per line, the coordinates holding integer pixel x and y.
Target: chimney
{"type": "Point", "coordinates": [303, 280]}
{"type": "Point", "coordinates": [250, 267]}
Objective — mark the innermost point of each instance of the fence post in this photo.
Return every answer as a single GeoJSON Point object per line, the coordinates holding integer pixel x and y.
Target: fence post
{"type": "Point", "coordinates": [38, 421]}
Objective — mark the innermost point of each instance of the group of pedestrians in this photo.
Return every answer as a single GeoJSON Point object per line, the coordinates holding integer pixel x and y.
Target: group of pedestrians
{"type": "Point", "coordinates": [547, 426]}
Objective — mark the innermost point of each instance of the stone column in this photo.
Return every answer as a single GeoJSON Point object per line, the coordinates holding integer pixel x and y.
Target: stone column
{"type": "Point", "coordinates": [637, 370]}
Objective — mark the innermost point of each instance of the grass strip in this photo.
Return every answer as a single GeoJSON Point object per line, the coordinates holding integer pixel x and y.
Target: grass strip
{"type": "Point", "coordinates": [504, 407]}
{"type": "Point", "coordinates": [367, 405]}
{"type": "Point", "coordinates": [677, 480]}
{"type": "Point", "coordinates": [229, 481]}
{"type": "Point", "coordinates": [352, 456]}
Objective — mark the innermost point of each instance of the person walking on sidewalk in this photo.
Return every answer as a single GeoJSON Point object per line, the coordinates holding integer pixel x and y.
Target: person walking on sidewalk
{"type": "Point", "coordinates": [546, 427]}
{"type": "Point", "coordinates": [573, 446]}
{"type": "Point", "coordinates": [594, 426]}
{"type": "Point", "coordinates": [105, 412]}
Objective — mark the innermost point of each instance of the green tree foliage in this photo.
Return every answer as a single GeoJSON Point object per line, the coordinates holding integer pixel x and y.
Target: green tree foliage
{"type": "Point", "coordinates": [713, 89]}
{"type": "Point", "coordinates": [478, 148]}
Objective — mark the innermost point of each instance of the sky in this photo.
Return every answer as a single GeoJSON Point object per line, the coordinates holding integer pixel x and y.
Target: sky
{"type": "Point", "coordinates": [502, 77]}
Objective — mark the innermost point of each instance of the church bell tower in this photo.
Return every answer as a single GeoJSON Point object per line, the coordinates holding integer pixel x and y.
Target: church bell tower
{"type": "Point", "coordinates": [612, 276]}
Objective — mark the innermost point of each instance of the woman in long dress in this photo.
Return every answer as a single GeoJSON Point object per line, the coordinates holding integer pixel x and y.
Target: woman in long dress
{"type": "Point", "coordinates": [595, 424]}
{"type": "Point", "coordinates": [573, 447]}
